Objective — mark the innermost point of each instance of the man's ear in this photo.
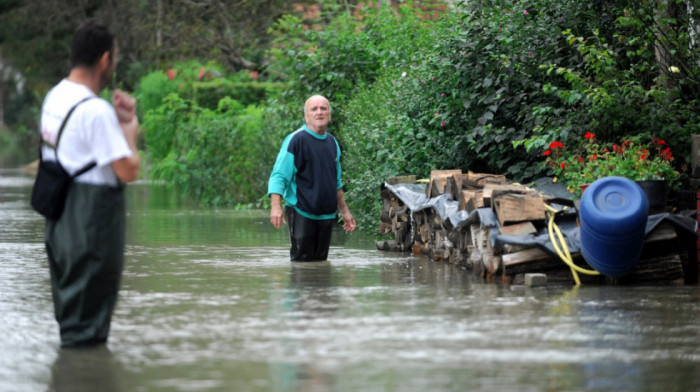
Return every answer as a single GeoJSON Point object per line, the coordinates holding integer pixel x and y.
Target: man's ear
{"type": "Point", "coordinates": [106, 59]}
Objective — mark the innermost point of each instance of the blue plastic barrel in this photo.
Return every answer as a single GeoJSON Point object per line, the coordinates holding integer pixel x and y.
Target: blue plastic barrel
{"type": "Point", "coordinates": [613, 217]}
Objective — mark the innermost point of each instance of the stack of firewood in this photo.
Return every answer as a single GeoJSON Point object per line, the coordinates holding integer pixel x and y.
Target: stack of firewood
{"type": "Point", "coordinates": [470, 245]}
{"type": "Point", "coordinates": [518, 209]}
{"type": "Point", "coordinates": [395, 219]}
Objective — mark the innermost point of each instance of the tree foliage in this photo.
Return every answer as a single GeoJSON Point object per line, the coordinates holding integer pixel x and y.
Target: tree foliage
{"type": "Point", "coordinates": [414, 86]}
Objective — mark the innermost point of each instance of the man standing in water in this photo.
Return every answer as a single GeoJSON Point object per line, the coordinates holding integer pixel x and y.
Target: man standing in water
{"type": "Point", "coordinates": [85, 246]}
{"type": "Point", "coordinates": [307, 174]}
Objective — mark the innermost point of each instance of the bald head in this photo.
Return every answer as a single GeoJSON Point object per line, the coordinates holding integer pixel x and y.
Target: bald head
{"type": "Point", "coordinates": [317, 113]}
{"type": "Point", "coordinates": [314, 99]}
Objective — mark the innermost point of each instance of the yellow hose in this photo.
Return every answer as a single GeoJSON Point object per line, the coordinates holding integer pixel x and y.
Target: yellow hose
{"type": "Point", "coordinates": [564, 255]}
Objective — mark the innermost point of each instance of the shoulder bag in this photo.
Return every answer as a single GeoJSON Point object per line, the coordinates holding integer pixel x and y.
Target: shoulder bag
{"type": "Point", "coordinates": [52, 180]}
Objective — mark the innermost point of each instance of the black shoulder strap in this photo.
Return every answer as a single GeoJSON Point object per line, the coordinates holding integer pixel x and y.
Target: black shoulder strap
{"type": "Point", "coordinates": [58, 139]}
{"type": "Point", "coordinates": [63, 125]}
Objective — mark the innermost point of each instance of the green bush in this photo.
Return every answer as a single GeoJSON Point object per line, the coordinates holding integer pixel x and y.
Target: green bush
{"type": "Point", "coordinates": [487, 97]}
{"type": "Point", "coordinates": [204, 84]}
{"type": "Point", "coordinates": [217, 157]}
{"type": "Point", "coordinates": [620, 88]}
{"type": "Point", "coordinates": [208, 93]}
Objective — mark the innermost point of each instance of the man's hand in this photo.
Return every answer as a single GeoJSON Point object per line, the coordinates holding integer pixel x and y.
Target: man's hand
{"type": "Point", "coordinates": [348, 220]}
{"type": "Point", "coordinates": [127, 169]}
{"type": "Point", "coordinates": [125, 106]}
{"type": "Point", "coordinates": [276, 213]}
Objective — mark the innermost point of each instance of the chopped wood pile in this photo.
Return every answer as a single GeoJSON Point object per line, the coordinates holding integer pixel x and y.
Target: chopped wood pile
{"type": "Point", "coordinates": [459, 237]}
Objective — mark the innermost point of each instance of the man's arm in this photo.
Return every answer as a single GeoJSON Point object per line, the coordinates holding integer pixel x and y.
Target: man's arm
{"type": "Point", "coordinates": [127, 169]}
{"type": "Point", "coordinates": [276, 214]}
{"type": "Point", "coordinates": [348, 220]}
{"type": "Point", "coordinates": [280, 179]}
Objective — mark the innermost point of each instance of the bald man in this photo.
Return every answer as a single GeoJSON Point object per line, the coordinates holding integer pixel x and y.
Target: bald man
{"type": "Point", "coordinates": [307, 175]}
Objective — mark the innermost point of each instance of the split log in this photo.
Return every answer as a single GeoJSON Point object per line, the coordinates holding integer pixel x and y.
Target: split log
{"type": "Point", "coordinates": [387, 245]}
{"type": "Point", "coordinates": [394, 221]}
{"type": "Point", "coordinates": [453, 186]}
{"type": "Point", "coordinates": [491, 189]}
{"type": "Point", "coordinates": [438, 180]}
{"type": "Point", "coordinates": [513, 208]}
{"type": "Point", "coordinates": [471, 199]}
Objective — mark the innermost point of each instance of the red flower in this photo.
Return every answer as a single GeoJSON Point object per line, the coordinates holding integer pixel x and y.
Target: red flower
{"type": "Point", "coordinates": [554, 145]}
{"type": "Point", "coordinates": [201, 73]}
{"type": "Point", "coordinates": [594, 157]}
{"type": "Point", "coordinates": [580, 159]}
{"type": "Point", "coordinates": [171, 74]}
{"type": "Point", "coordinates": [589, 135]}
{"type": "Point", "coordinates": [666, 154]}
{"type": "Point", "coordinates": [562, 165]}
{"type": "Point", "coordinates": [661, 142]}
{"type": "Point", "coordinates": [546, 153]}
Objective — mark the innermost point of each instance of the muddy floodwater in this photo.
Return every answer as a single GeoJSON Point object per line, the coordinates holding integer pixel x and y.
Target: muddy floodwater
{"type": "Point", "coordinates": [210, 302]}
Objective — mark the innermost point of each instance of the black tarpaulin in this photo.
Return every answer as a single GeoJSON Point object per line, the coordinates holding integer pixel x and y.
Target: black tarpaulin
{"type": "Point", "coordinates": [413, 196]}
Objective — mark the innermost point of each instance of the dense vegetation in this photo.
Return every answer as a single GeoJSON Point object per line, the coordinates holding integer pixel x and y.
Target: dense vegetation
{"type": "Point", "coordinates": [485, 86]}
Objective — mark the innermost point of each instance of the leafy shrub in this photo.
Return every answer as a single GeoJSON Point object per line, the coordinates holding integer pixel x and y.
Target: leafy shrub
{"type": "Point", "coordinates": [214, 156]}
{"type": "Point", "coordinates": [621, 89]}
{"type": "Point", "coordinates": [204, 84]}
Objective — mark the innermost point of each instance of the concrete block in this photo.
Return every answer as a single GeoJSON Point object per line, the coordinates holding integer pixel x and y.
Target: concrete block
{"type": "Point", "coordinates": [534, 280]}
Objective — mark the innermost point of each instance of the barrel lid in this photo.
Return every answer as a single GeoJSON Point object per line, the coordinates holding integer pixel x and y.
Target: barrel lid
{"type": "Point", "coordinates": [612, 204]}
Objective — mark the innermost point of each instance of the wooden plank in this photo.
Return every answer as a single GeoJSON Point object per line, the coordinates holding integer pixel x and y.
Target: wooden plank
{"type": "Point", "coordinates": [522, 228]}
{"type": "Point", "coordinates": [401, 180]}
{"type": "Point", "coordinates": [512, 208]}
{"type": "Point", "coordinates": [444, 173]}
{"type": "Point", "coordinates": [532, 254]}
{"type": "Point", "coordinates": [481, 179]}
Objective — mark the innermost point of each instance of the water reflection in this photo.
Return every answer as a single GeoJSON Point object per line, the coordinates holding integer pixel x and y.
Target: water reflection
{"type": "Point", "coordinates": [86, 370]}
{"type": "Point", "coordinates": [210, 302]}
{"type": "Point", "coordinates": [310, 297]}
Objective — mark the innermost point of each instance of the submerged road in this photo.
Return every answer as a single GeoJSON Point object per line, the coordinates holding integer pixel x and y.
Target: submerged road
{"type": "Point", "coordinates": [210, 302]}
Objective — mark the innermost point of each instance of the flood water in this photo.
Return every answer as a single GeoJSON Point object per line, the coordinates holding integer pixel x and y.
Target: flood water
{"type": "Point", "coordinates": [210, 302]}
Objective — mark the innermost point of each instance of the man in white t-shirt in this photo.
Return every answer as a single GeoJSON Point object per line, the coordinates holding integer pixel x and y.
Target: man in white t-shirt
{"type": "Point", "coordinates": [85, 246]}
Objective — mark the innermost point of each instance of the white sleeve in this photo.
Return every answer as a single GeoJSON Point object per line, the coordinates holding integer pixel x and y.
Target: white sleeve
{"type": "Point", "coordinates": [104, 134]}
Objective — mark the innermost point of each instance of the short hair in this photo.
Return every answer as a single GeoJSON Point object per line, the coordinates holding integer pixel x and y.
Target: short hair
{"type": "Point", "coordinates": [330, 109]}
{"type": "Point", "coordinates": [90, 42]}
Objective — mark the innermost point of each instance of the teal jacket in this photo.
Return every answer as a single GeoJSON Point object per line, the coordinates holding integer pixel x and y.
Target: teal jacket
{"type": "Point", "coordinates": [307, 173]}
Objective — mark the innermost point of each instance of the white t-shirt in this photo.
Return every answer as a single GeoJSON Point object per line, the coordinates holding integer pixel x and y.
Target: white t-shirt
{"type": "Point", "coordinates": [91, 134]}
